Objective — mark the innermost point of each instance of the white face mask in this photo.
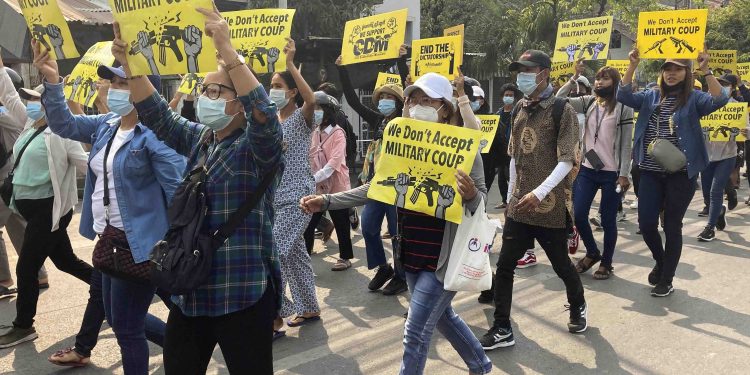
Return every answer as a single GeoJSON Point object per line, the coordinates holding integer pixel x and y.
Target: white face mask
{"type": "Point", "coordinates": [318, 117]}
{"type": "Point", "coordinates": [526, 82]}
{"type": "Point", "coordinates": [424, 113]}
{"type": "Point", "coordinates": [278, 96]}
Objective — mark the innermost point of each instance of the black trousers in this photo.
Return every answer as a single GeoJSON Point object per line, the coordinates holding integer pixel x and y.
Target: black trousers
{"type": "Point", "coordinates": [635, 171]}
{"type": "Point", "coordinates": [503, 177]}
{"type": "Point", "coordinates": [244, 338]}
{"type": "Point", "coordinates": [39, 243]}
{"type": "Point", "coordinates": [516, 237]}
{"type": "Point", "coordinates": [343, 232]}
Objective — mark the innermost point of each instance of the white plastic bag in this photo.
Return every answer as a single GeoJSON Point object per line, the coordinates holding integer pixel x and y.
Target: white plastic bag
{"type": "Point", "coordinates": [469, 266]}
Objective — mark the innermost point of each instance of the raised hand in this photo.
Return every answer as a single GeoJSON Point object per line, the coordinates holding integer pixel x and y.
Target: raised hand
{"type": "Point", "coordinates": [217, 29]}
{"type": "Point", "coordinates": [44, 63]}
{"type": "Point", "coordinates": [192, 37]}
{"type": "Point", "coordinates": [338, 60]}
{"type": "Point", "coordinates": [402, 50]}
{"type": "Point", "coordinates": [703, 58]}
{"type": "Point", "coordinates": [119, 47]}
{"type": "Point", "coordinates": [459, 82]}
{"type": "Point", "coordinates": [580, 68]}
{"type": "Point", "coordinates": [634, 56]}
{"type": "Point", "coordinates": [56, 38]}
{"type": "Point", "coordinates": [290, 50]}
{"type": "Point", "coordinates": [466, 186]}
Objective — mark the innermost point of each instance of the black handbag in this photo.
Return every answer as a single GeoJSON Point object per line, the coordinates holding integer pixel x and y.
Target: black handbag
{"type": "Point", "coordinates": [6, 190]}
{"type": "Point", "coordinates": [181, 262]}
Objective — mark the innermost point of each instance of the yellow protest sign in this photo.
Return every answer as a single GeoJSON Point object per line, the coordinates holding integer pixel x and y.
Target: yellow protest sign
{"type": "Point", "coordinates": [489, 128]}
{"type": "Point", "coordinates": [457, 31]}
{"type": "Point", "coordinates": [418, 164]}
{"type": "Point", "coordinates": [81, 84]}
{"type": "Point", "coordinates": [48, 27]}
{"type": "Point", "coordinates": [436, 55]}
{"type": "Point", "coordinates": [672, 34]}
{"type": "Point", "coordinates": [586, 38]}
{"type": "Point", "coordinates": [378, 37]}
{"type": "Point", "coordinates": [620, 65]}
{"type": "Point", "coordinates": [165, 37]}
{"type": "Point", "coordinates": [388, 79]}
{"type": "Point", "coordinates": [190, 82]}
{"type": "Point", "coordinates": [561, 72]}
{"type": "Point", "coordinates": [725, 122]}
{"type": "Point", "coordinates": [721, 61]}
{"type": "Point", "coordinates": [743, 71]}
{"type": "Point", "coordinates": [260, 36]}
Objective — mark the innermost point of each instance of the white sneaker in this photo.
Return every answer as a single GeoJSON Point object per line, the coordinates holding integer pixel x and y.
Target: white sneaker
{"type": "Point", "coordinates": [621, 216]}
{"type": "Point", "coordinates": [634, 205]}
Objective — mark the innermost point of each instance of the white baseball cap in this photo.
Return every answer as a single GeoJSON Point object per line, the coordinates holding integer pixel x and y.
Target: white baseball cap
{"type": "Point", "coordinates": [434, 85]}
{"type": "Point", "coordinates": [478, 92]}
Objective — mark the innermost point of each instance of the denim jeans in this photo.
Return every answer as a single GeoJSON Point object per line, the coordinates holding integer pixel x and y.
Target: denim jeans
{"type": "Point", "coordinates": [713, 180]}
{"type": "Point", "coordinates": [126, 307]}
{"type": "Point", "coordinates": [93, 317]}
{"type": "Point", "coordinates": [586, 185]}
{"type": "Point", "coordinates": [372, 220]}
{"type": "Point", "coordinates": [430, 306]}
{"type": "Point", "coordinates": [673, 192]}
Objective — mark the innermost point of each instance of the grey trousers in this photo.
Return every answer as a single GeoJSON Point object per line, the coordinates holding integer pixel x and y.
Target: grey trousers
{"type": "Point", "coordinates": [15, 225]}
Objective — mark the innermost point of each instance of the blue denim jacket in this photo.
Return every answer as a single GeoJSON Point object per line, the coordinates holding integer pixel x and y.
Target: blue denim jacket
{"type": "Point", "coordinates": [146, 172]}
{"type": "Point", "coordinates": [686, 122]}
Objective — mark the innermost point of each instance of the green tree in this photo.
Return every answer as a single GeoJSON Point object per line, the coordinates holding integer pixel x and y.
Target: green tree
{"type": "Point", "coordinates": [729, 28]}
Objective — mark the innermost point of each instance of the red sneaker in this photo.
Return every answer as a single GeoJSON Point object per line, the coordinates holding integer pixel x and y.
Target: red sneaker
{"type": "Point", "coordinates": [573, 241]}
{"type": "Point", "coordinates": [528, 260]}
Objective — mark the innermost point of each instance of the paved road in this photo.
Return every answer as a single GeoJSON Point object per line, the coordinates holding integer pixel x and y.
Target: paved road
{"type": "Point", "coordinates": [704, 327]}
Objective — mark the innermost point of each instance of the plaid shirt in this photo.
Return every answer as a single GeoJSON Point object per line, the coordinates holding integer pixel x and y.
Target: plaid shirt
{"type": "Point", "coordinates": [244, 265]}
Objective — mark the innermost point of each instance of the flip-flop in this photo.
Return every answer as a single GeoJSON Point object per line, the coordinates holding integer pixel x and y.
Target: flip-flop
{"type": "Point", "coordinates": [278, 335]}
{"type": "Point", "coordinates": [81, 362]}
{"type": "Point", "coordinates": [304, 321]}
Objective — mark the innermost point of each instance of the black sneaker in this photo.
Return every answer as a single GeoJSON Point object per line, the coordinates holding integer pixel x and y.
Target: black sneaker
{"type": "Point", "coordinates": [732, 199]}
{"type": "Point", "coordinates": [486, 297]}
{"type": "Point", "coordinates": [396, 286]}
{"type": "Point", "coordinates": [578, 317]}
{"type": "Point", "coordinates": [497, 337]}
{"type": "Point", "coordinates": [722, 222]}
{"type": "Point", "coordinates": [654, 276]}
{"type": "Point", "coordinates": [707, 235]}
{"type": "Point", "coordinates": [662, 290]}
{"type": "Point", "coordinates": [704, 212]}
{"type": "Point", "coordinates": [385, 273]}
{"type": "Point", "coordinates": [16, 335]}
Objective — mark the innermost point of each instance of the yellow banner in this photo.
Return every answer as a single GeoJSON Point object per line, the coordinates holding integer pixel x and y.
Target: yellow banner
{"type": "Point", "coordinates": [620, 65]}
{"type": "Point", "coordinates": [48, 26]}
{"type": "Point", "coordinates": [743, 71]}
{"type": "Point", "coordinates": [417, 167]}
{"type": "Point", "coordinates": [190, 82]}
{"type": "Point", "coordinates": [726, 121]}
{"type": "Point", "coordinates": [587, 38]}
{"type": "Point", "coordinates": [721, 61]}
{"type": "Point", "coordinates": [436, 55]}
{"type": "Point", "coordinates": [457, 30]}
{"type": "Point", "coordinates": [165, 37]}
{"type": "Point", "coordinates": [260, 36]}
{"type": "Point", "coordinates": [489, 127]}
{"type": "Point", "coordinates": [672, 34]}
{"type": "Point", "coordinates": [81, 85]}
{"type": "Point", "coordinates": [378, 37]}
{"type": "Point", "coordinates": [388, 79]}
{"type": "Point", "coordinates": [561, 72]}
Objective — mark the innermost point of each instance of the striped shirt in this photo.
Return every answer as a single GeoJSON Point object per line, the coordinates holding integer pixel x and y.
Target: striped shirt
{"type": "Point", "coordinates": [664, 115]}
{"type": "Point", "coordinates": [423, 238]}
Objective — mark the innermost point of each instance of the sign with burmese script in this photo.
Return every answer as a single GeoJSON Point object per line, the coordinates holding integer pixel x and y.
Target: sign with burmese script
{"type": "Point", "coordinates": [417, 167]}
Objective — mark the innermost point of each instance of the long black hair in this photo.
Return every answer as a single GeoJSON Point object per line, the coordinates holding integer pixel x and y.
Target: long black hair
{"type": "Point", "coordinates": [291, 84]}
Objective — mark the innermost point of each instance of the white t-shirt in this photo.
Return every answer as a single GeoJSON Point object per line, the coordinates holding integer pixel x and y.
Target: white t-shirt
{"type": "Point", "coordinates": [97, 198]}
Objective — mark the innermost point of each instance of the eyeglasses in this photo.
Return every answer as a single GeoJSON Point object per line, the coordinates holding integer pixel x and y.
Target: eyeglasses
{"type": "Point", "coordinates": [214, 90]}
{"type": "Point", "coordinates": [424, 101]}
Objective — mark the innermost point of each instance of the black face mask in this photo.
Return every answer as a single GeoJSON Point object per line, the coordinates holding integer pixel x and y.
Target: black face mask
{"type": "Point", "coordinates": [605, 92]}
{"type": "Point", "coordinates": [676, 89]}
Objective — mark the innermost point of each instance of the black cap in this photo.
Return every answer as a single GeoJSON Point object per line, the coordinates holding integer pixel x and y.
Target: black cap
{"type": "Point", "coordinates": [729, 78]}
{"type": "Point", "coordinates": [531, 58]}
{"type": "Point", "coordinates": [15, 78]}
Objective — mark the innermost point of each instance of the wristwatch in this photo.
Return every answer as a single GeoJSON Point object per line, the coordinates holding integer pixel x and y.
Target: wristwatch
{"type": "Point", "coordinates": [710, 72]}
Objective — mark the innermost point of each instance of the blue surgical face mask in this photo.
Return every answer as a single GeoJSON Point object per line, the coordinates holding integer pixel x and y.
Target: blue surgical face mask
{"type": "Point", "coordinates": [526, 82]}
{"type": "Point", "coordinates": [119, 101]}
{"type": "Point", "coordinates": [386, 106]}
{"type": "Point", "coordinates": [211, 112]}
{"type": "Point", "coordinates": [34, 110]}
{"type": "Point", "coordinates": [508, 100]}
{"type": "Point", "coordinates": [726, 90]}
{"type": "Point", "coordinates": [318, 117]}
{"type": "Point", "coordinates": [278, 96]}
{"type": "Point", "coordinates": [475, 105]}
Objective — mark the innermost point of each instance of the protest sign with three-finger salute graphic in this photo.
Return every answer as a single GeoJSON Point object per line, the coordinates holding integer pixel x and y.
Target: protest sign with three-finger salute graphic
{"type": "Point", "coordinates": [48, 27]}
{"type": "Point", "coordinates": [722, 61]}
{"type": "Point", "coordinates": [165, 37]}
{"type": "Point", "coordinates": [726, 123]}
{"type": "Point", "coordinates": [673, 34]}
{"type": "Point", "coordinates": [586, 39]}
{"type": "Point", "coordinates": [374, 38]}
{"type": "Point", "coordinates": [489, 125]}
{"type": "Point", "coordinates": [260, 36]}
{"type": "Point", "coordinates": [81, 86]}
{"type": "Point", "coordinates": [190, 83]}
{"type": "Point", "coordinates": [417, 167]}
{"type": "Point", "coordinates": [435, 55]}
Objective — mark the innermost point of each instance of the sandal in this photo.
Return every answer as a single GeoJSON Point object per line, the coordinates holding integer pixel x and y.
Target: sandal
{"type": "Point", "coordinates": [582, 267]}
{"type": "Point", "coordinates": [342, 265]}
{"type": "Point", "coordinates": [300, 320]}
{"type": "Point", "coordinates": [604, 273]}
{"type": "Point", "coordinates": [69, 358]}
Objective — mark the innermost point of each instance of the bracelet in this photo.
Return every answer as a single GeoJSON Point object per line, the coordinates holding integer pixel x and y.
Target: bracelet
{"type": "Point", "coordinates": [134, 77]}
{"type": "Point", "coordinates": [237, 62]}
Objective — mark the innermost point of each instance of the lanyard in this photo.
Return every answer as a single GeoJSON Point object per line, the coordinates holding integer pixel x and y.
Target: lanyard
{"type": "Point", "coordinates": [598, 124]}
{"type": "Point", "coordinates": [106, 178]}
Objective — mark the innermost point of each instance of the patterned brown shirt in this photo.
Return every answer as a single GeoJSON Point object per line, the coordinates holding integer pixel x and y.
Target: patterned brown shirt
{"type": "Point", "coordinates": [537, 147]}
